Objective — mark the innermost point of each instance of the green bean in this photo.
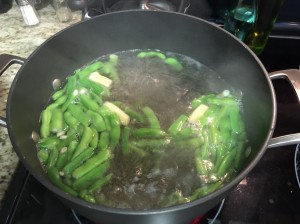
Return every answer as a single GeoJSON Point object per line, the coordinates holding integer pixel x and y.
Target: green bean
{"type": "Point", "coordinates": [208, 117]}
{"type": "Point", "coordinates": [43, 155]}
{"type": "Point", "coordinates": [54, 176]}
{"type": "Point", "coordinates": [227, 163]}
{"type": "Point", "coordinates": [201, 100]}
{"type": "Point", "coordinates": [89, 69]}
{"type": "Point", "coordinates": [151, 54]}
{"type": "Point", "coordinates": [174, 198]}
{"type": "Point", "coordinates": [97, 121]}
{"type": "Point", "coordinates": [125, 139]}
{"type": "Point", "coordinates": [235, 120]}
{"type": "Point", "coordinates": [96, 98]}
{"type": "Point", "coordinates": [78, 113]}
{"type": "Point", "coordinates": [240, 155]}
{"type": "Point", "coordinates": [224, 111]}
{"type": "Point", "coordinates": [177, 124]}
{"type": "Point", "coordinates": [71, 149]}
{"type": "Point", "coordinates": [104, 140]}
{"type": "Point", "coordinates": [58, 94]}
{"type": "Point", "coordinates": [57, 121]}
{"type": "Point", "coordinates": [62, 158]}
{"type": "Point", "coordinates": [95, 87]}
{"type": "Point", "coordinates": [185, 133]}
{"type": "Point", "coordinates": [58, 102]}
{"type": "Point", "coordinates": [45, 123]}
{"type": "Point", "coordinates": [91, 163]}
{"type": "Point", "coordinates": [204, 153]}
{"type": "Point", "coordinates": [110, 70]}
{"type": "Point", "coordinates": [85, 140]}
{"type": "Point", "coordinates": [84, 181]}
{"type": "Point", "coordinates": [100, 183]}
{"type": "Point", "coordinates": [203, 167]}
{"type": "Point", "coordinates": [192, 143]}
{"type": "Point", "coordinates": [137, 150]}
{"type": "Point", "coordinates": [94, 141]}
{"type": "Point", "coordinates": [88, 198]}
{"type": "Point", "coordinates": [71, 84]}
{"type": "Point", "coordinates": [174, 63]}
{"type": "Point", "coordinates": [148, 132]}
{"type": "Point", "coordinates": [49, 142]}
{"type": "Point", "coordinates": [89, 103]}
{"type": "Point", "coordinates": [53, 155]}
{"type": "Point", "coordinates": [115, 131]}
{"type": "Point", "coordinates": [70, 119]}
{"type": "Point", "coordinates": [151, 143]}
{"type": "Point", "coordinates": [71, 98]}
{"type": "Point", "coordinates": [113, 59]}
{"type": "Point", "coordinates": [200, 192]}
{"type": "Point", "coordinates": [151, 117]}
{"type": "Point", "coordinates": [77, 161]}
{"type": "Point", "coordinates": [222, 101]}
{"type": "Point", "coordinates": [135, 115]}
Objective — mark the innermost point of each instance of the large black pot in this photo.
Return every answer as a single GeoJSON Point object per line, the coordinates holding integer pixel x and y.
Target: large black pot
{"type": "Point", "coordinates": [109, 33]}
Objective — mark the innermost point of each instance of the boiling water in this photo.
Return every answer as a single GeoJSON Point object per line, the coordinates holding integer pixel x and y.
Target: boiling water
{"type": "Point", "coordinates": [144, 182]}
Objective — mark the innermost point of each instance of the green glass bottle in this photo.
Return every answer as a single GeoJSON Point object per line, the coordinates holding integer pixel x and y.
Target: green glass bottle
{"type": "Point", "coordinates": [267, 12]}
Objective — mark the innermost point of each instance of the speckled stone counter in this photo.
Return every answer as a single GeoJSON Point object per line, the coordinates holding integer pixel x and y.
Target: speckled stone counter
{"type": "Point", "coordinates": [21, 40]}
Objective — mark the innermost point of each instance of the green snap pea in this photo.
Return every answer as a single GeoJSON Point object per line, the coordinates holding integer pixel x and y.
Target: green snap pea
{"type": "Point", "coordinates": [115, 131]}
{"type": "Point", "coordinates": [85, 140]}
{"type": "Point", "coordinates": [104, 140]}
{"type": "Point", "coordinates": [98, 172]}
{"type": "Point", "coordinates": [43, 155]}
{"type": "Point", "coordinates": [151, 117]}
{"type": "Point", "coordinates": [45, 123]}
{"type": "Point", "coordinates": [100, 183]}
{"type": "Point", "coordinates": [177, 124]}
{"type": "Point", "coordinates": [125, 140]}
{"type": "Point", "coordinates": [91, 163]}
{"type": "Point", "coordinates": [53, 174]}
{"type": "Point", "coordinates": [77, 161]}
{"type": "Point", "coordinates": [148, 132]}
{"type": "Point", "coordinates": [78, 113]}
{"type": "Point", "coordinates": [89, 103]}
{"type": "Point", "coordinates": [174, 63]}
{"type": "Point", "coordinates": [97, 121]}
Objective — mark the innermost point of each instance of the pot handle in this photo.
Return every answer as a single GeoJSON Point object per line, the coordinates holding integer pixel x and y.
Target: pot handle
{"type": "Point", "coordinates": [6, 60]}
{"type": "Point", "coordinates": [293, 77]}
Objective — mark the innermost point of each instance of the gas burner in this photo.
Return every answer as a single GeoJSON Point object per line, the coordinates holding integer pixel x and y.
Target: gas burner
{"type": "Point", "coordinates": [208, 218]}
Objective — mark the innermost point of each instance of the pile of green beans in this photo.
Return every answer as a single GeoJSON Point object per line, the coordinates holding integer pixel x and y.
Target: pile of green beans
{"type": "Point", "coordinates": [219, 139]}
{"type": "Point", "coordinates": [79, 135]}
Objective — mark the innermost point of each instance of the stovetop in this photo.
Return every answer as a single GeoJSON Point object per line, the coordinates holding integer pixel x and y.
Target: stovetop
{"type": "Point", "coordinates": [269, 194]}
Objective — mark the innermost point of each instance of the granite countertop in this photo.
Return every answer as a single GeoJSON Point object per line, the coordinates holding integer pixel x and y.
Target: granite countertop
{"type": "Point", "coordinates": [21, 40]}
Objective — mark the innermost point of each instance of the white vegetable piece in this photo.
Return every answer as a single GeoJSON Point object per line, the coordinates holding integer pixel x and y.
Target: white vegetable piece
{"type": "Point", "coordinates": [124, 118]}
{"type": "Point", "coordinates": [197, 113]}
{"type": "Point", "coordinates": [100, 79]}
